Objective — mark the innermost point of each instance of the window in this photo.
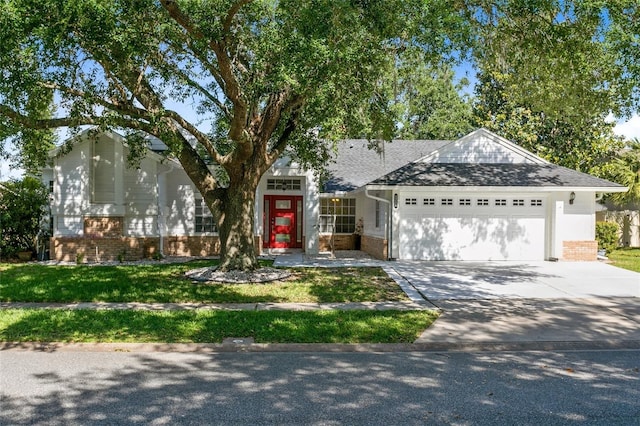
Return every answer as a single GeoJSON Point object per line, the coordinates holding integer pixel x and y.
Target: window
{"type": "Point", "coordinates": [483, 201]}
{"type": "Point", "coordinates": [447, 202]}
{"type": "Point", "coordinates": [50, 187]}
{"type": "Point", "coordinates": [536, 203]}
{"type": "Point", "coordinates": [518, 203]}
{"type": "Point", "coordinates": [338, 211]}
{"type": "Point", "coordinates": [204, 219]}
{"type": "Point", "coordinates": [465, 202]}
{"type": "Point", "coordinates": [284, 184]}
{"type": "Point", "coordinates": [378, 214]}
{"type": "Point", "coordinates": [501, 202]}
{"type": "Point", "coordinates": [410, 201]}
{"type": "Point", "coordinates": [429, 201]}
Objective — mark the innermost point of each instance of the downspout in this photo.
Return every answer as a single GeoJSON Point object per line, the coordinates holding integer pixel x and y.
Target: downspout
{"type": "Point", "coordinates": [160, 225]}
{"type": "Point", "coordinates": [387, 232]}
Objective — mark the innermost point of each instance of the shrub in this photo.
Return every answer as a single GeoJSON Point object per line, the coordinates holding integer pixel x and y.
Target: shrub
{"type": "Point", "coordinates": [22, 204]}
{"type": "Point", "coordinates": [607, 235]}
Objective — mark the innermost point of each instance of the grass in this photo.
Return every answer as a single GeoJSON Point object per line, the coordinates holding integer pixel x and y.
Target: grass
{"type": "Point", "coordinates": [165, 283]}
{"type": "Point", "coordinates": [627, 258]}
{"type": "Point", "coordinates": [22, 325]}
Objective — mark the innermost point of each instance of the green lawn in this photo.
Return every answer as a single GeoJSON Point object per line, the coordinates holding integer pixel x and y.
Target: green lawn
{"type": "Point", "coordinates": [628, 258]}
{"type": "Point", "coordinates": [165, 283]}
{"type": "Point", "coordinates": [30, 325]}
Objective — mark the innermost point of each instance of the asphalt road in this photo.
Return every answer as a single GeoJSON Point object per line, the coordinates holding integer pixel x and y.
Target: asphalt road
{"type": "Point", "coordinates": [580, 387]}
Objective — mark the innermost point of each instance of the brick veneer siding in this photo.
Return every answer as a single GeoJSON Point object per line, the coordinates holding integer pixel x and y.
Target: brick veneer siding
{"type": "Point", "coordinates": [133, 248]}
{"type": "Point", "coordinates": [342, 242]}
{"type": "Point", "coordinates": [375, 246]}
{"type": "Point", "coordinates": [95, 249]}
{"type": "Point", "coordinates": [579, 250]}
{"type": "Point", "coordinates": [198, 246]}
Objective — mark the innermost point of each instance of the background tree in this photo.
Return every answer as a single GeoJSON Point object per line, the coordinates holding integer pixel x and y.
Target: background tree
{"type": "Point", "coordinates": [553, 75]}
{"type": "Point", "coordinates": [265, 76]}
{"type": "Point", "coordinates": [625, 169]}
{"type": "Point", "coordinates": [430, 102]}
{"type": "Point", "coordinates": [584, 144]}
{"type": "Point", "coordinates": [22, 204]}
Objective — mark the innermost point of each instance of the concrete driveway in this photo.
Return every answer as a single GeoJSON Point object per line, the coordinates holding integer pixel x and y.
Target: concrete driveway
{"type": "Point", "coordinates": [518, 280]}
{"type": "Point", "coordinates": [532, 303]}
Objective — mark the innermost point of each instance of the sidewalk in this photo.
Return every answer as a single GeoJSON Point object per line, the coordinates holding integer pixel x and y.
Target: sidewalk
{"type": "Point", "coordinates": [356, 306]}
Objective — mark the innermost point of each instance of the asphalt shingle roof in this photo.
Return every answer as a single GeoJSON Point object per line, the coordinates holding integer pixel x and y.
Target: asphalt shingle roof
{"type": "Point", "coordinates": [465, 174]}
{"type": "Point", "coordinates": [355, 165]}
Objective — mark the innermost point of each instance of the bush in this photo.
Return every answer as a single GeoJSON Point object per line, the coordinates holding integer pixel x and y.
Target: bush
{"type": "Point", "coordinates": [22, 204]}
{"type": "Point", "coordinates": [607, 235]}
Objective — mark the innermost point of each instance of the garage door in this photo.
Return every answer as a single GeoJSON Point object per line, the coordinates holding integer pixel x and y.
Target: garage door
{"type": "Point", "coordinates": [514, 229]}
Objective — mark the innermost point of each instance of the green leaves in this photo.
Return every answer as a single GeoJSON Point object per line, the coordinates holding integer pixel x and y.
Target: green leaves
{"type": "Point", "coordinates": [21, 209]}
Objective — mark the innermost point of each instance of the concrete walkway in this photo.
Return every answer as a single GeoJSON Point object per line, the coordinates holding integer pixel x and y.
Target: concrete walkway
{"type": "Point", "coordinates": [355, 306]}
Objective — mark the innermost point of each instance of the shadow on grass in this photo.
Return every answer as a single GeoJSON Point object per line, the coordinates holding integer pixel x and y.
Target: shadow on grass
{"type": "Point", "coordinates": [165, 283]}
{"type": "Point", "coordinates": [331, 326]}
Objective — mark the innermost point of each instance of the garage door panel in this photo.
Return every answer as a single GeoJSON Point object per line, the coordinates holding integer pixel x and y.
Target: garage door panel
{"type": "Point", "coordinates": [467, 237]}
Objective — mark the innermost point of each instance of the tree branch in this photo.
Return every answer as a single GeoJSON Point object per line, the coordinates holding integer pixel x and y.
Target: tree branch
{"type": "Point", "coordinates": [200, 137]}
{"type": "Point", "coordinates": [232, 13]}
{"type": "Point", "coordinates": [283, 140]}
{"type": "Point", "coordinates": [231, 87]}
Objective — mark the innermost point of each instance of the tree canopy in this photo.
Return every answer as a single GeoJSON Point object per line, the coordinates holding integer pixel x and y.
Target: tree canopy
{"type": "Point", "coordinates": [266, 77]}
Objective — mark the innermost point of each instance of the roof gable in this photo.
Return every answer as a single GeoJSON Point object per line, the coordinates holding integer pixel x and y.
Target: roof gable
{"type": "Point", "coordinates": [482, 147]}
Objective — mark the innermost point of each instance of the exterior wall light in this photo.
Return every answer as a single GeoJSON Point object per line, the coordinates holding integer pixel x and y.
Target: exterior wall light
{"type": "Point", "coordinates": [395, 201]}
{"type": "Point", "coordinates": [572, 197]}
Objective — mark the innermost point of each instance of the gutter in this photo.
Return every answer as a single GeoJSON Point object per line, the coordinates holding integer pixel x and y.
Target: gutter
{"type": "Point", "coordinates": [388, 225]}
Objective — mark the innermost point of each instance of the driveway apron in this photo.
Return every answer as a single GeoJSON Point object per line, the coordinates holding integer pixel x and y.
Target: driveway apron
{"type": "Point", "coordinates": [527, 301]}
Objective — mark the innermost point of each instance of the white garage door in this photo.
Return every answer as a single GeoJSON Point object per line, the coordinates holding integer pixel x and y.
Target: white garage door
{"type": "Point", "coordinates": [497, 229]}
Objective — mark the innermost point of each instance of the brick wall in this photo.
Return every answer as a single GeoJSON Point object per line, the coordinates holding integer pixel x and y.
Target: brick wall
{"type": "Point", "coordinates": [132, 248]}
{"type": "Point", "coordinates": [94, 249]}
{"type": "Point", "coordinates": [198, 246]}
{"type": "Point", "coordinates": [191, 246]}
{"type": "Point", "coordinates": [342, 242]}
{"type": "Point", "coordinates": [579, 250]}
{"type": "Point", "coordinates": [374, 246]}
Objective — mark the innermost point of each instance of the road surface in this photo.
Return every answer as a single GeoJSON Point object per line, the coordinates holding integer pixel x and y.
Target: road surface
{"type": "Point", "coordinates": [62, 387]}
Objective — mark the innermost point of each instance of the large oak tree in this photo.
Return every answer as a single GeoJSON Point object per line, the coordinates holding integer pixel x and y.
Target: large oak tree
{"type": "Point", "coordinates": [265, 76]}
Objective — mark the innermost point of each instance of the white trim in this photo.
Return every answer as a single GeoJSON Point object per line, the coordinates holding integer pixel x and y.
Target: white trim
{"type": "Point", "coordinates": [482, 132]}
{"type": "Point", "coordinates": [598, 189]}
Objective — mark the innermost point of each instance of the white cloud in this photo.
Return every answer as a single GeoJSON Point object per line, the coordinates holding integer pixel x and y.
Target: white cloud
{"type": "Point", "coordinates": [629, 129]}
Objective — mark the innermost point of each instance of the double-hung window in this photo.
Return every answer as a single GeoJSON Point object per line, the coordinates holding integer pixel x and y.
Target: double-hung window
{"type": "Point", "coordinates": [204, 219]}
{"type": "Point", "coordinates": [339, 213]}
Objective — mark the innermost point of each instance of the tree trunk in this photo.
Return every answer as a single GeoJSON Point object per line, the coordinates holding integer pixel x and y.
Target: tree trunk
{"type": "Point", "coordinates": [235, 228]}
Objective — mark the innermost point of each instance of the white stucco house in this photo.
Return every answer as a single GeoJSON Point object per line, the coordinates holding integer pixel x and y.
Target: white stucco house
{"type": "Point", "coordinates": [480, 197]}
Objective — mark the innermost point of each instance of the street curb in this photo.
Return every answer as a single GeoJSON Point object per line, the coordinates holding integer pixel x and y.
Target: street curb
{"type": "Point", "coordinates": [545, 346]}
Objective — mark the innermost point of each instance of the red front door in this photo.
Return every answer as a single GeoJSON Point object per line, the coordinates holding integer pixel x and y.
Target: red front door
{"type": "Point", "coordinates": [282, 217]}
